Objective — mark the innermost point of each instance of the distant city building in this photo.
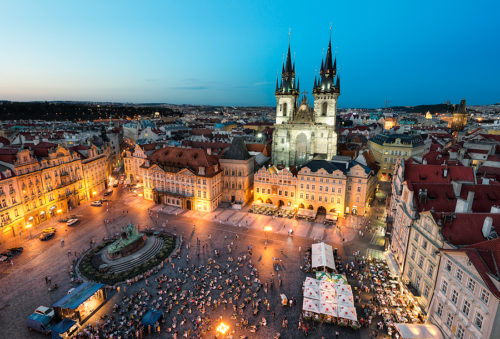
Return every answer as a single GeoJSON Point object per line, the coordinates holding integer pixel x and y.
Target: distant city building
{"type": "Point", "coordinates": [460, 116]}
{"type": "Point", "coordinates": [387, 148]}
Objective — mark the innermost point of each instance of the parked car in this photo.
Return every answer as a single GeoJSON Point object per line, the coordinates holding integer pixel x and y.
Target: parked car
{"type": "Point", "coordinates": [11, 252]}
{"type": "Point", "coordinates": [41, 320]}
{"type": "Point", "coordinates": [47, 236]}
{"type": "Point", "coordinates": [49, 230]}
{"type": "Point", "coordinates": [3, 258]}
{"type": "Point", "coordinates": [72, 222]}
{"type": "Point", "coordinates": [109, 191]}
{"type": "Point", "coordinates": [97, 203]}
{"type": "Point", "coordinates": [65, 219]}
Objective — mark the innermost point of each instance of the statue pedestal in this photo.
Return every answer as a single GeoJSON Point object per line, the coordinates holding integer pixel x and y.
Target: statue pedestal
{"type": "Point", "coordinates": [128, 249]}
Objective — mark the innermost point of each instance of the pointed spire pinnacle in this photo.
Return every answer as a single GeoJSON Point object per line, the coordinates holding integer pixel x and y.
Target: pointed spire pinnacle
{"type": "Point", "coordinates": [288, 64]}
{"type": "Point", "coordinates": [321, 69]}
{"type": "Point", "coordinates": [337, 85]}
{"type": "Point", "coordinates": [315, 82]}
{"type": "Point", "coordinates": [277, 77]}
{"type": "Point", "coordinates": [335, 66]}
{"type": "Point", "coordinates": [298, 85]}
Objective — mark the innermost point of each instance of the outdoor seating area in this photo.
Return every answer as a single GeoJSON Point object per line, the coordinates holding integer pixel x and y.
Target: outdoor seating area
{"type": "Point", "coordinates": [396, 302]}
{"type": "Point", "coordinates": [266, 209]}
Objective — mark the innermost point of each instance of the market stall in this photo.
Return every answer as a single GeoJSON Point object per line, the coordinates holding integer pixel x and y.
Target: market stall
{"type": "Point", "coordinates": [322, 256]}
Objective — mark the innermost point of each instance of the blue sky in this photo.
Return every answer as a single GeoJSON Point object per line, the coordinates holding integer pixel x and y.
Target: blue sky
{"type": "Point", "coordinates": [228, 52]}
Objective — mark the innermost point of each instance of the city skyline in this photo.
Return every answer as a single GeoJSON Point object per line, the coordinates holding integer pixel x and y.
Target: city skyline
{"type": "Point", "coordinates": [229, 54]}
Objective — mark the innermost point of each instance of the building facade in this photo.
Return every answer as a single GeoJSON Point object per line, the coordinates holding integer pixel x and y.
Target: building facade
{"type": "Point", "coordinates": [465, 303]}
{"type": "Point", "coordinates": [238, 168]}
{"type": "Point", "coordinates": [337, 187]}
{"type": "Point", "coordinates": [42, 180]}
{"type": "Point", "coordinates": [187, 178]}
{"type": "Point", "coordinates": [388, 148]}
{"type": "Point", "coordinates": [302, 132]}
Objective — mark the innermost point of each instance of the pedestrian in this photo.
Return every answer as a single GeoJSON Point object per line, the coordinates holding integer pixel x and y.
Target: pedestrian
{"type": "Point", "coordinates": [46, 280]}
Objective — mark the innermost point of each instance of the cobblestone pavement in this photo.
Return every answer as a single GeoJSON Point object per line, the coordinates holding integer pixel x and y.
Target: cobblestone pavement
{"type": "Point", "coordinates": [22, 286]}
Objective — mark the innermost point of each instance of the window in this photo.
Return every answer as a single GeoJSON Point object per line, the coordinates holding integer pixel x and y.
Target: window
{"type": "Point", "coordinates": [340, 190]}
{"type": "Point", "coordinates": [421, 261]}
{"type": "Point", "coordinates": [426, 291]}
{"type": "Point", "coordinates": [257, 189]}
{"type": "Point", "coordinates": [459, 274]}
{"type": "Point", "coordinates": [359, 188]}
{"type": "Point", "coordinates": [485, 296]}
{"type": "Point", "coordinates": [454, 297]}
{"type": "Point", "coordinates": [466, 308]}
{"type": "Point", "coordinates": [471, 285]}
{"type": "Point", "coordinates": [410, 272]}
{"type": "Point", "coordinates": [444, 286]}
{"type": "Point", "coordinates": [449, 320]}
{"type": "Point", "coordinates": [424, 245]}
{"type": "Point", "coordinates": [478, 320]}
{"type": "Point", "coordinates": [413, 252]}
{"type": "Point", "coordinates": [439, 310]}
{"type": "Point", "coordinates": [430, 271]}
{"type": "Point", "coordinates": [416, 237]}
{"type": "Point", "coordinates": [448, 265]}
{"type": "Point", "coordinates": [313, 187]}
{"type": "Point", "coordinates": [460, 332]}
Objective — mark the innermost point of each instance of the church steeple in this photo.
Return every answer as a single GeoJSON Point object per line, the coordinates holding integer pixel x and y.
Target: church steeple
{"type": "Point", "coordinates": [328, 71]}
{"type": "Point", "coordinates": [288, 85]}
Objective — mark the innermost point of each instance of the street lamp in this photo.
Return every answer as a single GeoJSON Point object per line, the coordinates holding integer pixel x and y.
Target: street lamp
{"type": "Point", "coordinates": [267, 229]}
{"type": "Point", "coordinates": [222, 328]}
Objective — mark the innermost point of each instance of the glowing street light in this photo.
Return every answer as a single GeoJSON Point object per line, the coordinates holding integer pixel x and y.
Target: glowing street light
{"type": "Point", "coordinates": [267, 229]}
{"type": "Point", "coordinates": [222, 328]}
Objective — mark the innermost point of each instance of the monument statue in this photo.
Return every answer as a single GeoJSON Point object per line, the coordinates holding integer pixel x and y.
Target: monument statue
{"type": "Point", "coordinates": [129, 242]}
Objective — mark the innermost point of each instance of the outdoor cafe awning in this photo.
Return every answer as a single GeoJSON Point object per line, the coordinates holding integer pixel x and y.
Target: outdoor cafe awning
{"type": "Point", "coordinates": [419, 331]}
{"type": "Point", "coordinates": [79, 295]}
{"type": "Point", "coordinates": [322, 256]}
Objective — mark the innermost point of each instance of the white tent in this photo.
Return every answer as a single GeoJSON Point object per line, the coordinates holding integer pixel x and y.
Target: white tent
{"type": "Point", "coordinates": [328, 308]}
{"type": "Point", "coordinates": [311, 305]}
{"type": "Point", "coordinates": [311, 282]}
{"type": "Point", "coordinates": [327, 296]}
{"type": "Point", "coordinates": [344, 290]}
{"type": "Point", "coordinates": [327, 285]}
{"type": "Point", "coordinates": [419, 331]}
{"type": "Point", "coordinates": [345, 300]}
{"type": "Point", "coordinates": [347, 312]}
{"type": "Point", "coordinates": [311, 292]}
{"type": "Point", "coordinates": [322, 256]}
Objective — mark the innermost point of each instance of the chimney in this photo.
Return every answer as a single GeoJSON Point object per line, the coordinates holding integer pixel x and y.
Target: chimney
{"type": "Point", "coordinates": [457, 188]}
{"type": "Point", "coordinates": [487, 227]}
{"type": "Point", "coordinates": [424, 162]}
{"type": "Point", "coordinates": [445, 172]}
{"type": "Point", "coordinates": [486, 181]}
{"type": "Point", "coordinates": [495, 209]}
{"type": "Point", "coordinates": [209, 151]}
{"type": "Point", "coordinates": [470, 199]}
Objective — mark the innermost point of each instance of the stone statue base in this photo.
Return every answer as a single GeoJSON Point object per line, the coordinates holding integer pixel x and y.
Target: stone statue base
{"type": "Point", "coordinates": [128, 249]}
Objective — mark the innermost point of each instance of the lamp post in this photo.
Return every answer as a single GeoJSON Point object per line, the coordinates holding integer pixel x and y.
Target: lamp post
{"type": "Point", "coordinates": [222, 329]}
{"type": "Point", "coordinates": [267, 229]}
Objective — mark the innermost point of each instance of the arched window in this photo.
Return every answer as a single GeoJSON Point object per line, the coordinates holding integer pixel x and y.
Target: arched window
{"type": "Point", "coordinates": [284, 109]}
{"type": "Point", "coordinates": [324, 107]}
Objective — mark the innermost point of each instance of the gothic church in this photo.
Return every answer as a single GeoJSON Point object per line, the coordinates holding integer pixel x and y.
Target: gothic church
{"type": "Point", "coordinates": [301, 132]}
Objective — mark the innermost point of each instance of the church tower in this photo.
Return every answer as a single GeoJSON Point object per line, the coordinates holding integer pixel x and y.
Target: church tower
{"type": "Point", "coordinates": [286, 92]}
{"type": "Point", "coordinates": [326, 90]}
{"type": "Point", "coordinates": [459, 117]}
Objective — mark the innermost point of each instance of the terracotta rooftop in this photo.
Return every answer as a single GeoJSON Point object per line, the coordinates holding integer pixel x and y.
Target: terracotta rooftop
{"type": "Point", "coordinates": [174, 159]}
{"type": "Point", "coordinates": [416, 173]}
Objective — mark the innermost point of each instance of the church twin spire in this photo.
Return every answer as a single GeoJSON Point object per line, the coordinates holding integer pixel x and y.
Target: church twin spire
{"type": "Point", "coordinates": [327, 74]}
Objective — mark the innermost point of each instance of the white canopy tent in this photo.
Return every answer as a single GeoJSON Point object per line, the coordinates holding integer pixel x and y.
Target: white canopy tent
{"type": "Point", "coordinates": [347, 312]}
{"type": "Point", "coordinates": [311, 292]}
{"type": "Point", "coordinates": [307, 213]}
{"type": "Point", "coordinates": [311, 282]}
{"type": "Point", "coordinates": [322, 256]}
{"type": "Point", "coordinates": [344, 290]}
{"type": "Point", "coordinates": [311, 305]}
{"type": "Point", "coordinates": [328, 308]}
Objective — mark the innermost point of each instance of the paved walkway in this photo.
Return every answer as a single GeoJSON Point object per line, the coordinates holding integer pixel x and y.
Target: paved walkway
{"type": "Point", "coordinates": [301, 228]}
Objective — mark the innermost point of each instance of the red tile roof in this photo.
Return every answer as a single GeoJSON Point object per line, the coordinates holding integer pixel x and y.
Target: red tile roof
{"type": "Point", "coordinates": [174, 159]}
{"type": "Point", "coordinates": [415, 173]}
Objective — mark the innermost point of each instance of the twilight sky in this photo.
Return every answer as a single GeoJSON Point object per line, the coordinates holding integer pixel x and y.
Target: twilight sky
{"type": "Point", "coordinates": [228, 52]}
